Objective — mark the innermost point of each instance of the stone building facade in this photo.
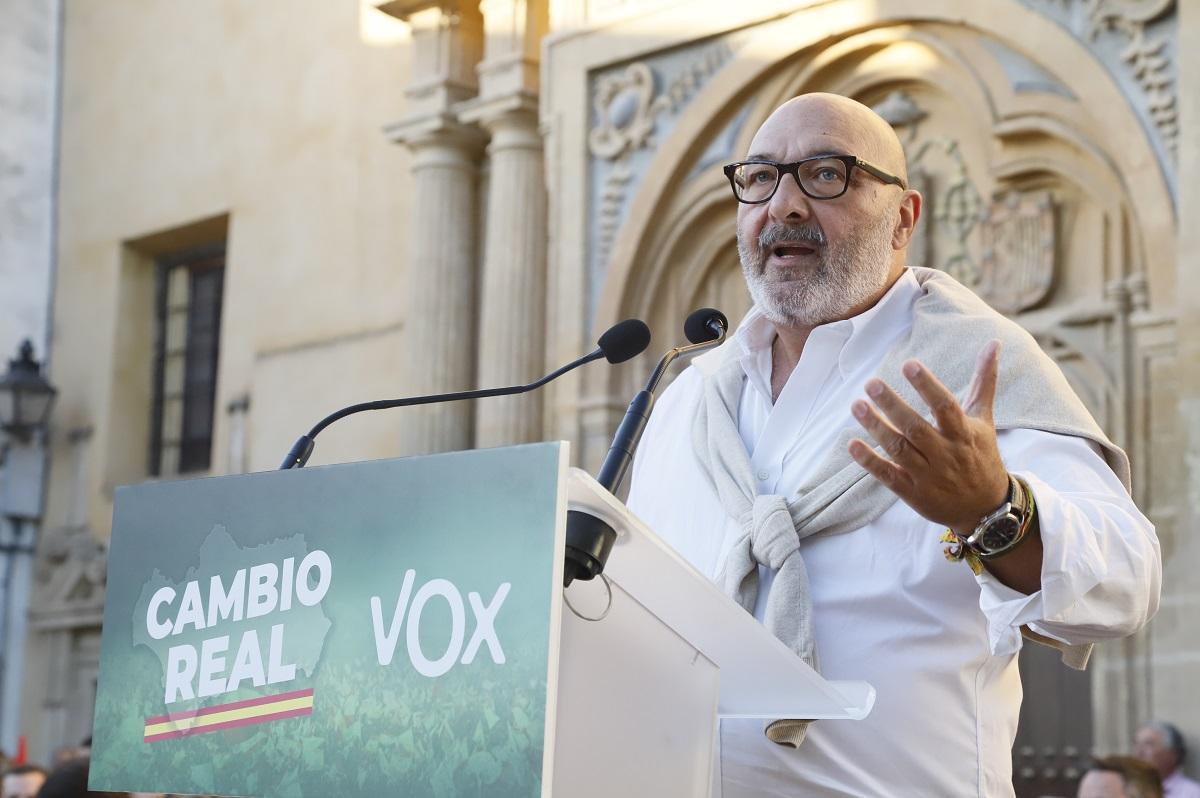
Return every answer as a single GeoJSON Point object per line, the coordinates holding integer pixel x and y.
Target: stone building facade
{"type": "Point", "coordinates": [29, 72]}
{"type": "Point", "coordinates": [411, 196]}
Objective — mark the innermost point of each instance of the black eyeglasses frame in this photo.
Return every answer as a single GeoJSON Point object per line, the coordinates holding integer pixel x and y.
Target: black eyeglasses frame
{"type": "Point", "coordinates": [793, 169]}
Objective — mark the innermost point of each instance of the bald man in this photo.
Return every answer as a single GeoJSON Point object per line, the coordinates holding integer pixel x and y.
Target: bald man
{"type": "Point", "coordinates": [889, 475]}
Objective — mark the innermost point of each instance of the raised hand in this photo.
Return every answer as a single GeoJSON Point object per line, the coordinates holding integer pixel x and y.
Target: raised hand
{"type": "Point", "coordinates": [950, 471]}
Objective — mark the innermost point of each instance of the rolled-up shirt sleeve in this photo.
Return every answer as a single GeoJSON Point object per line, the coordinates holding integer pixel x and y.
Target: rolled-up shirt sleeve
{"type": "Point", "coordinates": [1101, 562]}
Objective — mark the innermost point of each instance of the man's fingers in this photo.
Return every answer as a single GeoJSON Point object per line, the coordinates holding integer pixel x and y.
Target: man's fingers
{"type": "Point", "coordinates": [942, 403]}
{"type": "Point", "coordinates": [901, 421]}
{"type": "Point", "coordinates": [983, 385]}
{"type": "Point", "coordinates": [898, 447]}
{"type": "Point", "coordinates": [891, 475]}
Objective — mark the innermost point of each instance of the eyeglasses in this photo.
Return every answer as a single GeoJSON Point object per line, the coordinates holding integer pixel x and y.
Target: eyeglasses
{"type": "Point", "coordinates": [821, 177]}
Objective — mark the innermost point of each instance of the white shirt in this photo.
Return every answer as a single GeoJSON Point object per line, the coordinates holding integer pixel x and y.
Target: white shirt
{"type": "Point", "coordinates": [1178, 785]}
{"type": "Point", "coordinates": [938, 643]}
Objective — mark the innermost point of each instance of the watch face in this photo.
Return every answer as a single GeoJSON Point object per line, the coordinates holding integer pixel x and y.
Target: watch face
{"type": "Point", "coordinates": [999, 533]}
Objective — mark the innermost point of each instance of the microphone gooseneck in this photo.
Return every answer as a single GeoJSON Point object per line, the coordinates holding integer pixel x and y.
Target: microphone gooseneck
{"type": "Point", "coordinates": [590, 539]}
{"type": "Point", "coordinates": [619, 343]}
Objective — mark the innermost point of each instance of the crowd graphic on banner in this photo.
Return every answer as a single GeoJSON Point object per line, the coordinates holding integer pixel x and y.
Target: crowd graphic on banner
{"type": "Point", "coordinates": [387, 737]}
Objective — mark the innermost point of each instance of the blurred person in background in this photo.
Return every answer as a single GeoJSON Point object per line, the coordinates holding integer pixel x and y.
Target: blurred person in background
{"type": "Point", "coordinates": [22, 781]}
{"type": "Point", "coordinates": [69, 780]}
{"type": "Point", "coordinates": [1120, 777]}
{"type": "Point", "coordinates": [1161, 744]}
{"type": "Point", "coordinates": [71, 752]}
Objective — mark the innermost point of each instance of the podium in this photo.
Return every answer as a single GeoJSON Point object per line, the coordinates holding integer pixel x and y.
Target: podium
{"type": "Point", "coordinates": [399, 628]}
{"type": "Point", "coordinates": [646, 685]}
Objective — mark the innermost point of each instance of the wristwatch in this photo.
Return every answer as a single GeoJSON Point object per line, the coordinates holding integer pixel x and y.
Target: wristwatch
{"type": "Point", "coordinates": [1000, 531]}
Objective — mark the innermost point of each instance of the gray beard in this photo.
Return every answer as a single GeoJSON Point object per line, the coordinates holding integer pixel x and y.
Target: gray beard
{"type": "Point", "coordinates": [846, 276]}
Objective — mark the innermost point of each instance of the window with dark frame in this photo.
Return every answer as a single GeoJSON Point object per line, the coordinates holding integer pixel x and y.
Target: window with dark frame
{"type": "Point", "coordinates": [187, 334]}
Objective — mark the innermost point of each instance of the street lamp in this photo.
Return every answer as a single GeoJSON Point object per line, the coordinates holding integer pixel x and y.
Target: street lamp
{"type": "Point", "coordinates": [25, 396]}
{"type": "Point", "coordinates": [25, 400]}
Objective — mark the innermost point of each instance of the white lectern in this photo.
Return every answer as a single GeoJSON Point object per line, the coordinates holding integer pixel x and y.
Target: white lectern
{"type": "Point", "coordinates": [640, 690]}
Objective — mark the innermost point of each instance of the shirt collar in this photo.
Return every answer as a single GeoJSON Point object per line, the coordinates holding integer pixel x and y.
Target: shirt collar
{"type": "Point", "coordinates": [862, 334]}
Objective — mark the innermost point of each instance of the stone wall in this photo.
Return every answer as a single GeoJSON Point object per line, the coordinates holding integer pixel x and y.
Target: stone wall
{"type": "Point", "coordinates": [28, 105]}
{"type": "Point", "coordinates": [29, 72]}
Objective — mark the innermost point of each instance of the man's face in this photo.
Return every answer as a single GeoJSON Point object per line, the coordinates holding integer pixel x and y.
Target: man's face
{"type": "Point", "coordinates": [807, 261]}
{"type": "Point", "coordinates": [1101, 784]}
{"type": "Point", "coordinates": [24, 785]}
{"type": "Point", "coordinates": [1150, 745]}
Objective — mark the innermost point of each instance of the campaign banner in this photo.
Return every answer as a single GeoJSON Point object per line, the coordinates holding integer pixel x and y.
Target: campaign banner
{"type": "Point", "coordinates": [368, 629]}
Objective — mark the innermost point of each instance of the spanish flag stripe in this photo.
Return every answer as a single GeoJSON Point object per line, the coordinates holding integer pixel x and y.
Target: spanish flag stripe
{"type": "Point", "coordinates": [249, 702]}
{"type": "Point", "coordinates": [197, 721]}
{"type": "Point", "coordinates": [230, 716]}
{"type": "Point", "coordinates": [230, 724]}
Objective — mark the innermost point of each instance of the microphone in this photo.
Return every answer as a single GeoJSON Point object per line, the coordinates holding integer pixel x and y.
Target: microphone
{"type": "Point", "coordinates": [622, 341]}
{"type": "Point", "coordinates": [705, 328]}
{"type": "Point", "coordinates": [705, 324]}
{"type": "Point", "coordinates": [589, 538]}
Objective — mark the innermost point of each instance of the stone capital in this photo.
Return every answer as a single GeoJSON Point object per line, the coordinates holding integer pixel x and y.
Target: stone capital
{"type": "Point", "coordinates": [442, 131]}
{"type": "Point", "coordinates": [516, 108]}
{"type": "Point", "coordinates": [404, 9]}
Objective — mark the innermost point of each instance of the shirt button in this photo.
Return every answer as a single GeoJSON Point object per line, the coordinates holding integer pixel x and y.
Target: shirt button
{"type": "Point", "coordinates": [763, 476]}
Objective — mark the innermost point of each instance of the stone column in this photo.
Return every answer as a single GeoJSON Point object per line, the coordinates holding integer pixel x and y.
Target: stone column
{"type": "Point", "coordinates": [442, 286]}
{"type": "Point", "coordinates": [512, 309]}
{"type": "Point", "coordinates": [443, 253]}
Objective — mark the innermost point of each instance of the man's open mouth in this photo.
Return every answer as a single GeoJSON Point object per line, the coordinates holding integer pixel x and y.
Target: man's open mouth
{"type": "Point", "coordinates": [792, 250]}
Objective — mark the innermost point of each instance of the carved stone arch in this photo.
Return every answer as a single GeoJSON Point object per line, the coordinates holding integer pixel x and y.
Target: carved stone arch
{"type": "Point", "coordinates": [805, 35]}
{"type": "Point", "coordinates": [880, 59]}
{"type": "Point", "coordinates": [1026, 141]}
{"type": "Point", "coordinates": [1015, 136]}
{"type": "Point", "coordinates": [696, 246]}
{"type": "Point", "coordinates": [1017, 133]}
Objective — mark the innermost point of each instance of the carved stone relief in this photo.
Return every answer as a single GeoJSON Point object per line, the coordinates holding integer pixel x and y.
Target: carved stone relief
{"type": "Point", "coordinates": [953, 208]}
{"type": "Point", "coordinates": [71, 574]}
{"type": "Point", "coordinates": [1005, 251]}
{"type": "Point", "coordinates": [71, 568]}
{"type": "Point", "coordinates": [633, 106]}
{"type": "Point", "coordinates": [1136, 40]}
{"type": "Point", "coordinates": [1018, 250]}
{"type": "Point", "coordinates": [622, 107]}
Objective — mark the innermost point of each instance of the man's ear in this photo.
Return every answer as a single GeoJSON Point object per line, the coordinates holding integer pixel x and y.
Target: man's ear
{"type": "Point", "coordinates": [910, 212]}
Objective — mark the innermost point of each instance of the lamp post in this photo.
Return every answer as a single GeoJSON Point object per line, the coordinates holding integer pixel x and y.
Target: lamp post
{"type": "Point", "coordinates": [25, 401]}
{"type": "Point", "coordinates": [25, 396]}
